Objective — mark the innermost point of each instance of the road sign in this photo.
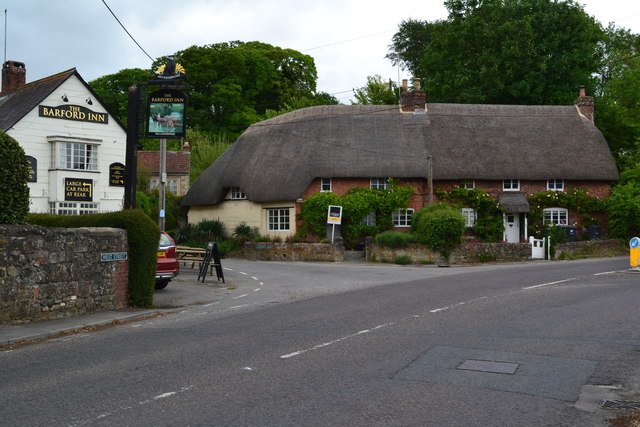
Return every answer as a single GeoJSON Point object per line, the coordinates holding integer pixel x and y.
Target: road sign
{"type": "Point", "coordinates": [113, 256]}
{"type": "Point", "coordinates": [634, 252]}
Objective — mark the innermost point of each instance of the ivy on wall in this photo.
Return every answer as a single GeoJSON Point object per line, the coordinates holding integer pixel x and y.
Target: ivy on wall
{"type": "Point", "coordinates": [576, 200]}
{"type": "Point", "coordinates": [356, 204]}
{"type": "Point", "coordinates": [489, 222]}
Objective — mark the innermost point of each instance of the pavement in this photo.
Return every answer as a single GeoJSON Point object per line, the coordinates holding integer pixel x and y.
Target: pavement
{"type": "Point", "coordinates": [182, 291]}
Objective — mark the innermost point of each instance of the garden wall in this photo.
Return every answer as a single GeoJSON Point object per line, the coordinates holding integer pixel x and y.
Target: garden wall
{"type": "Point", "coordinates": [267, 251]}
{"type": "Point", "coordinates": [53, 273]}
{"type": "Point", "coordinates": [495, 252]}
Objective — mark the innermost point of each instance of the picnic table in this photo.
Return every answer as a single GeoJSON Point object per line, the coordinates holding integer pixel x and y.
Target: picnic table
{"type": "Point", "coordinates": [198, 256]}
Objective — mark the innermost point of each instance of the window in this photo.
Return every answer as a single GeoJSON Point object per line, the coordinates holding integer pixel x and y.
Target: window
{"type": "Point", "coordinates": [511, 185]}
{"type": "Point", "coordinates": [370, 219]}
{"type": "Point", "coordinates": [555, 184]}
{"type": "Point", "coordinates": [557, 216]}
{"type": "Point", "coordinates": [468, 184]}
{"type": "Point", "coordinates": [402, 217]}
{"type": "Point", "coordinates": [470, 216]}
{"type": "Point", "coordinates": [78, 156]}
{"type": "Point", "coordinates": [278, 219]}
{"type": "Point", "coordinates": [379, 183]}
{"type": "Point", "coordinates": [153, 183]}
{"type": "Point", "coordinates": [72, 208]}
{"type": "Point", "coordinates": [172, 186]}
{"type": "Point", "coordinates": [325, 185]}
{"type": "Point", "coordinates": [237, 194]}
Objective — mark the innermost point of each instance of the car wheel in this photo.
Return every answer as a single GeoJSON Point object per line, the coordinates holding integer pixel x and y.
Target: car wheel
{"type": "Point", "coordinates": [161, 284]}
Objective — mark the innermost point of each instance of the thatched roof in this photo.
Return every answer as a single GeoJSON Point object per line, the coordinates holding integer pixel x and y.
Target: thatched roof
{"type": "Point", "coordinates": [277, 159]}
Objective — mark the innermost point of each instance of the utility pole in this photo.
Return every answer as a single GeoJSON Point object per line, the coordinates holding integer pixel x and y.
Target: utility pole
{"type": "Point", "coordinates": [163, 181]}
{"type": "Point", "coordinates": [430, 178]}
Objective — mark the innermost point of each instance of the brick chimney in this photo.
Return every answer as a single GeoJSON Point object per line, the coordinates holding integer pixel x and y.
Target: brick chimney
{"type": "Point", "coordinates": [414, 101]}
{"type": "Point", "coordinates": [585, 104]}
{"type": "Point", "coordinates": [14, 76]}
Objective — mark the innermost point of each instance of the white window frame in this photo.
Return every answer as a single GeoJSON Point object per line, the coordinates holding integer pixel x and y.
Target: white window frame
{"type": "Point", "coordinates": [73, 208]}
{"type": "Point", "coordinates": [370, 219]}
{"type": "Point", "coordinates": [470, 216]}
{"type": "Point", "coordinates": [74, 153]}
{"type": "Point", "coordinates": [172, 186]}
{"type": "Point", "coordinates": [511, 185]}
{"type": "Point", "coordinates": [379, 183]}
{"type": "Point", "coordinates": [468, 184]}
{"type": "Point", "coordinates": [325, 185]}
{"type": "Point", "coordinates": [555, 184]}
{"type": "Point", "coordinates": [237, 194]}
{"type": "Point", "coordinates": [278, 219]}
{"type": "Point", "coordinates": [402, 217]}
{"type": "Point", "coordinates": [557, 216]}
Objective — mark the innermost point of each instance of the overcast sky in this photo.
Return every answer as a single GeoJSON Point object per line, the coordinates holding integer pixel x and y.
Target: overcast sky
{"type": "Point", "coordinates": [348, 39]}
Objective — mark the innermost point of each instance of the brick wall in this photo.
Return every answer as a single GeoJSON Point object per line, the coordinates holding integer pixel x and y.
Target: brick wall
{"type": "Point", "coordinates": [53, 273]}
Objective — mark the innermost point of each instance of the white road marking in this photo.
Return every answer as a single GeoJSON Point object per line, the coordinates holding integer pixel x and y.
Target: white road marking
{"type": "Point", "coordinates": [254, 278]}
{"type": "Point", "coordinates": [548, 284]}
{"type": "Point", "coordinates": [238, 306]}
{"type": "Point", "coordinates": [256, 289]}
{"type": "Point", "coordinates": [243, 273]}
{"type": "Point", "coordinates": [210, 304]}
{"type": "Point", "coordinates": [240, 296]}
{"type": "Point", "coordinates": [606, 272]}
{"type": "Point", "coordinates": [328, 343]}
{"type": "Point", "coordinates": [449, 307]}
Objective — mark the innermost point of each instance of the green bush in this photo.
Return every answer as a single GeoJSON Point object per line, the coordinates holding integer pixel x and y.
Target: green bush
{"type": "Point", "coordinates": [440, 227]}
{"type": "Point", "coordinates": [244, 233]}
{"type": "Point", "coordinates": [14, 175]}
{"type": "Point", "coordinates": [394, 239]}
{"type": "Point", "coordinates": [402, 260]}
{"type": "Point", "coordinates": [210, 230]}
{"type": "Point", "coordinates": [142, 234]}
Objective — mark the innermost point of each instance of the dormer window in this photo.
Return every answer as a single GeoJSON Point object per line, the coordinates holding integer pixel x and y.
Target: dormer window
{"type": "Point", "coordinates": [511, 185]}
{"type": "Point", "coordinates": [237, 194]}
{"type": "Point", "coordinates": [555, 184]}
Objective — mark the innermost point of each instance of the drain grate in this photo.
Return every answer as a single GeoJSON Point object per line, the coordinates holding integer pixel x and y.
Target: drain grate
{"type": "Point", "coordinates": [488, 366]}
{"type": "Point", "coordinates": [620, 404]}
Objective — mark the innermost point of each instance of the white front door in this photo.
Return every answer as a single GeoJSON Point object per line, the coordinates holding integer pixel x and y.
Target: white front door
{"type": "Point", "coordinates": [511, 228]}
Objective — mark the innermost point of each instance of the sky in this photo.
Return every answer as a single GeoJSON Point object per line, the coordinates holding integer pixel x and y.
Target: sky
{"type": "Point", "coordinates": [348, 39]}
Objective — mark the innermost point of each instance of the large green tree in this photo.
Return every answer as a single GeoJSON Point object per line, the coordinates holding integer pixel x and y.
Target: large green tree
{"type": "Point", "coordinates": [502, 51]}
{"type": "Point", "coordinates": [234, 83]}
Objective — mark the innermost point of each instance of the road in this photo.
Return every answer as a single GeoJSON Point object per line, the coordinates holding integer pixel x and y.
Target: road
{"type": "Point", "coordinates": [335, 344]}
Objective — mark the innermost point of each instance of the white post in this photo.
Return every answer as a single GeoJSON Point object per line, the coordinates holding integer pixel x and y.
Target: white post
{"type": "Point", "coordinates": [333, 230]}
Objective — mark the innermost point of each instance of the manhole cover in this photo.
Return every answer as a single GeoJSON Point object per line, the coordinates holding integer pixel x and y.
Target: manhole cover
{"type": "Point", "coordinates": [489, 366]}
{"type": "Point", "coordinates": [620, 404]}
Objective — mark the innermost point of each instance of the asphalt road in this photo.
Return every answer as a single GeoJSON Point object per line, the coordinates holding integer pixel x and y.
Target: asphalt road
{"type": "Point", "coordinates": [337, 344]}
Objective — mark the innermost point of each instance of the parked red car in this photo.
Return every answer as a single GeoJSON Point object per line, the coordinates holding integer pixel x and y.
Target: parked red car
{"type": "Point", "coordinates": [167, 266]}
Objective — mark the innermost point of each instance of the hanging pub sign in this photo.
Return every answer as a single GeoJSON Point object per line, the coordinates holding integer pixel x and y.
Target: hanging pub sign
{"type": "Point", "coordinates": [116, 175]}
{"type": "Point", "coordinates": [167, 114]}
{"type": "Point", "coordinates": [78, 190]}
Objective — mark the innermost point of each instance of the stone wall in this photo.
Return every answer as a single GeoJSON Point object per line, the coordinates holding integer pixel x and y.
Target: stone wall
{"type": "Point", "coordinates": [53, 273]}
{"type": "Point", "coordinates": [267, 251]}
{"type": "Point", "coordinates": [494, 252]}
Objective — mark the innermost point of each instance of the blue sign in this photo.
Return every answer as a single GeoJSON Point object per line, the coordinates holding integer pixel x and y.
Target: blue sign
{"type": "Point", "coordinates": [634, 243]}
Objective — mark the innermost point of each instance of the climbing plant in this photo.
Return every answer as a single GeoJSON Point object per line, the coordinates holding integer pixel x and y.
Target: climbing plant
{"type": "Point", "coordinates": [356, 204]}
{"type": "Point", "coordinates": [489, 222]}
{"type": "Point", "coordinates": [577, 200]}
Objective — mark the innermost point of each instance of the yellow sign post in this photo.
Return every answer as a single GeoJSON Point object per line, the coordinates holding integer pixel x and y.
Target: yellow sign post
{"type": "Point", "coordinates": [634, 252]}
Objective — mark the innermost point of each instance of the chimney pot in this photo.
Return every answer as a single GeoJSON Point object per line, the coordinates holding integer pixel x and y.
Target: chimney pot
{"type": "Point", "coordinates": [585, 104]}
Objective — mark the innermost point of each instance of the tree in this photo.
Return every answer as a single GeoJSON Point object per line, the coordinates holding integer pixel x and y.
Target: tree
{"type": "Point", "coordinates": [618, 95]}
{"type": "Point", "coordinates": [113, 89]}
{"type": "Point", "coordinates": [205, 150]}
{"type": "Point", "coordinates": [234, 83]}
{"type": "Point", "coordinates": [502, 51]}
{"type": "Point", "coordinates": [14, 175]}
{"type": "Point", "coordinates": [377, 92]}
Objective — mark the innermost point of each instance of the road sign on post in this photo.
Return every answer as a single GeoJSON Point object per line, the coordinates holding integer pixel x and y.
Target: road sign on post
{"type": "Point", "coordinates": [634, 252]}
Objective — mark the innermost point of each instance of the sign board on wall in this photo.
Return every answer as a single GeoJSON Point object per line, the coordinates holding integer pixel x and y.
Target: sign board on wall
{"type": "Point", "coordinates": [33, 169]}
{"type": "Point", "coordinates": [73, 112]}
{"type": "Point", "coordinates": [167, 114]}
{"type": "Point", "coordinates": [116, 175]}
{"type": "Point", "coordinates": [78, 189]}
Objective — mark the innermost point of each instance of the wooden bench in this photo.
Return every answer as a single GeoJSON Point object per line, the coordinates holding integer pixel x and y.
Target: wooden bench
{"type": "Point", "coordinates": [194, 256]}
